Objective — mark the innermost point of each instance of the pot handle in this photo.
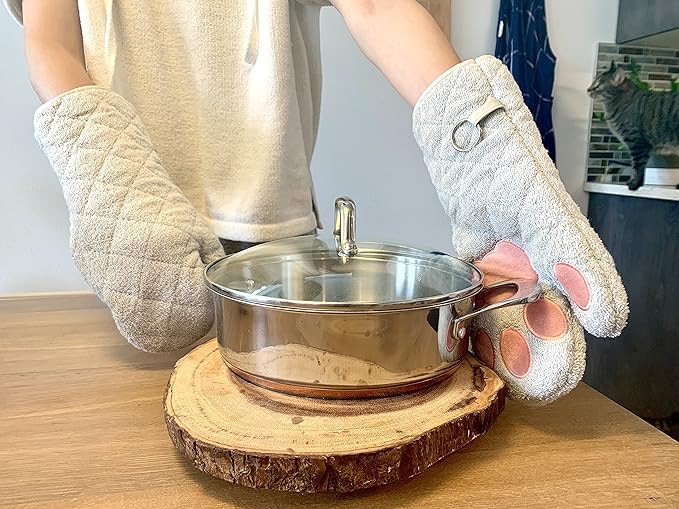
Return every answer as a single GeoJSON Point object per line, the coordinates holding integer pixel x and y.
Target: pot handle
{"type": "Point", "coordinates": [526, 291]}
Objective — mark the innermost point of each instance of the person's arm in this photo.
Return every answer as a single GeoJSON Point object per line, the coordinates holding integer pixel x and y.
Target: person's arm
{"type": "Point", "coordinates": [402, 39]}
{"type": "Point", "coordinates": [54, 47]}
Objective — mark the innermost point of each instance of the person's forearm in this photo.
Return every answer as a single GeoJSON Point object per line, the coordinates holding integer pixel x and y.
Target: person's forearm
{"type": "Point", "coordinates": [53, 71]}
{"type": "Point", "coordinates": [402, 40]}
{"type": "Point", "coordinates": [54, 48]}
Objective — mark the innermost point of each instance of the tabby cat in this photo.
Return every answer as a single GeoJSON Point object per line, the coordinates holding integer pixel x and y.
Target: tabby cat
{"type": "Point", "coordinates": [644, 120]}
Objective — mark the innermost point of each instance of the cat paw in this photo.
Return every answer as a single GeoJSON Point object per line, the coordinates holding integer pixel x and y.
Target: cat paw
{"type": "Point", "coordinates": [634, 184]}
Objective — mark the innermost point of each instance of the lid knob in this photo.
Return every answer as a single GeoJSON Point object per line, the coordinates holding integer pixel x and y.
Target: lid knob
{"type": "Point", "coordinates": [345, 227]}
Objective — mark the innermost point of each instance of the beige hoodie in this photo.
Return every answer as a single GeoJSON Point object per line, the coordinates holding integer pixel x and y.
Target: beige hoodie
{"type": "Point", "coordinates": [229, 92]}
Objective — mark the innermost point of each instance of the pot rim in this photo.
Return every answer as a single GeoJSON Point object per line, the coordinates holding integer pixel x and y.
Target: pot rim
{"type": "Point", "coordinates": [305, 306]}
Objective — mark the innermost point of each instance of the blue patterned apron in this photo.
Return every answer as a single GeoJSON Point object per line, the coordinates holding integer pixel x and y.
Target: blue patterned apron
{"type": "Point", "coordinates": [522, 44]}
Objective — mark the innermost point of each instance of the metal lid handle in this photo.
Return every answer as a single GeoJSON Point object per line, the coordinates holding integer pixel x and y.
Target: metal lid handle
{"type": "Point", "coordinates": [345, 227]}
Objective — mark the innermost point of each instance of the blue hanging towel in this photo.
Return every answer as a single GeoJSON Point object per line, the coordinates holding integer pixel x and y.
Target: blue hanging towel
{"type": "Point", "coordinates": [523, 46]}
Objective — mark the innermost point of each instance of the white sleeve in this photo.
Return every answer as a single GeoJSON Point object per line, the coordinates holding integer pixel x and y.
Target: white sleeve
{"type": "Point", "coordinates": [14, 8]}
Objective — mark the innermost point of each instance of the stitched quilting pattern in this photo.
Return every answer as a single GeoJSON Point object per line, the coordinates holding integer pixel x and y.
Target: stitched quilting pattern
{"type": "Point", "coordinates": [135, 237]}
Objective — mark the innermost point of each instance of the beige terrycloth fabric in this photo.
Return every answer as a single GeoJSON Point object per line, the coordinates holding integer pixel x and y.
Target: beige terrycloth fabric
{"type": "Point", "coordinates": [507, 188]}
{"type": "Point", "coordinates": [135, 237]}
{"type": "Point", "coordinates": [229, 93]}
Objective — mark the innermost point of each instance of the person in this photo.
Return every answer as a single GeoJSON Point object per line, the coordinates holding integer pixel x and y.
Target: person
{"type": "Point", "coordinates": [172, 125]}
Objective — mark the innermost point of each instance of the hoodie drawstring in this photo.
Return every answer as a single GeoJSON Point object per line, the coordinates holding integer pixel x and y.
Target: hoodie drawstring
{"type": "Point", "coordinates": [252, 50]}
{"type": "Point", "coordinates": [110, 41]}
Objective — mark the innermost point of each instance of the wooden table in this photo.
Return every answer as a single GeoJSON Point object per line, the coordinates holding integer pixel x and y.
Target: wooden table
{"type": "Point", "coordinates": [82, 426]}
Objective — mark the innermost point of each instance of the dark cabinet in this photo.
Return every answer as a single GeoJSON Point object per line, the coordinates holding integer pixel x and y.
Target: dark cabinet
{"type": "Point", "coordinates": [641, 18]}
{"type": "Point", "coordinates": [640, 369]}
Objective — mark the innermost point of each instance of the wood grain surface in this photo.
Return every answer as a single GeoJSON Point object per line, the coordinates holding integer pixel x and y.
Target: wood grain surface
{"type": "Point", "coordinates": [254, 437]}
{"type": "Point", "coordinates": [82, 426]}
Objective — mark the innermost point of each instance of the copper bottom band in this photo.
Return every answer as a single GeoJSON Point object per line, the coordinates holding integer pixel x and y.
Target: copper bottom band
{"type": "Point", "coordinates": [310, 391]}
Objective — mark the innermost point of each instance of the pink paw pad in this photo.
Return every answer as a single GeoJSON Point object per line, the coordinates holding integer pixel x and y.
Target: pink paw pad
{"type": "Point", "coordinates": [505, 261]}
{"type": "Point", "coordinates": [515, 352]}
{"type": "Point", "coordinates": [545, 319]}
{"type": "Point", "coordinates": [483, 348]}
{"type": "Point", "coordinates": [574, 283]}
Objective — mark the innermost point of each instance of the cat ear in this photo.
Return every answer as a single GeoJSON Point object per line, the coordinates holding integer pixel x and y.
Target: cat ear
{"type": "Point", "coordinates": [619, 76]}
{"type": "Point", "coordinates": [613, 66]}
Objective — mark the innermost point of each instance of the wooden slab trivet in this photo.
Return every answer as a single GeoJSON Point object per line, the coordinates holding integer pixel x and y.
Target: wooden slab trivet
{"type": "Point", "coordinates": [254, 437]}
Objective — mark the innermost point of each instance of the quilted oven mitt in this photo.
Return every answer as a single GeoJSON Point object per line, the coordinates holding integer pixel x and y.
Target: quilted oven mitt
{"type": "Point", "coordinates": [135, 238]}
{"type": "Point", "coordinates": [511, 214]}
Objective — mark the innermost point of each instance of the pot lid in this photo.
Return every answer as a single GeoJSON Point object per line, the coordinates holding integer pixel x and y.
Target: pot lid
{"type": "Point", "coordinates": [338, 274]}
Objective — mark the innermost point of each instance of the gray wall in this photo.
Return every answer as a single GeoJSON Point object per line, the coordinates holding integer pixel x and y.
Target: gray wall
{"type": "Point", "coordinates": [366, 150]}
{"type": "Point", "coordinates": [33, 219]}
{"type": "Point", "coordinates": [365, 147]}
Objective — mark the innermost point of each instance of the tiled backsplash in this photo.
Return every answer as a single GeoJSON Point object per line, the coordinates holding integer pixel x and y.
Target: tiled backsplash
{"type": "Point", "coordinates": [609, 160]}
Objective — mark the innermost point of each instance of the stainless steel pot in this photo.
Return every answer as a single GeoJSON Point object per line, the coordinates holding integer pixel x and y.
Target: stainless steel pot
{"type": "Point", "coordinates": [339, 318]}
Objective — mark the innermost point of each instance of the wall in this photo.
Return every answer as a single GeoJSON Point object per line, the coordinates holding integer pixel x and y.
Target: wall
{"type": "Point", "coordinates": [365, 147]}
{"type": "Point", "coordinates": [33, 219]}
{"type": "Point", "coordinates": [366, 150]}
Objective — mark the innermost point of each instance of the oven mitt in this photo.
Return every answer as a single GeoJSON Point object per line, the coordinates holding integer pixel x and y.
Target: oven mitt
{"type": "Point", "coordinates": [511, 214]}
{"type": "Point", "coordinates": [135, 238]}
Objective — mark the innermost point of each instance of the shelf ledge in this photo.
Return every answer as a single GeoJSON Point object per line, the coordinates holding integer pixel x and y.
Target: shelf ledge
{"type": "Point", "coordinates": [657, 193]}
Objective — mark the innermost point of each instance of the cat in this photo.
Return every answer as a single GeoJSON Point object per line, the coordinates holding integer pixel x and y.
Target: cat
{"type": "Point", "coordinates": [644, 120]}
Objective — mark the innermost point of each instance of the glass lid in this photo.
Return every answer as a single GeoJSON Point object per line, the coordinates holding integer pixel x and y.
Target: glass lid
{"type": "Point", "coordinates": [339, 274]}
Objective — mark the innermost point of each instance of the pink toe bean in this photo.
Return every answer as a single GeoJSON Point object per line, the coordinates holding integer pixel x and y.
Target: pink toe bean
{"type": "Point", "coordinates": [574, 283]}
{"type": "Point", "coordinates": [545, 319]}
{"type": "Point", "coordinates": [515, 352]}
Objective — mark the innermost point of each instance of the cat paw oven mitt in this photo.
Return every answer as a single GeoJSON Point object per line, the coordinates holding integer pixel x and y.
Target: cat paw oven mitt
{"type": "Point", "coordinates": [511, 214]}
{"type": "Point", "coordinates": [135, 238]}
